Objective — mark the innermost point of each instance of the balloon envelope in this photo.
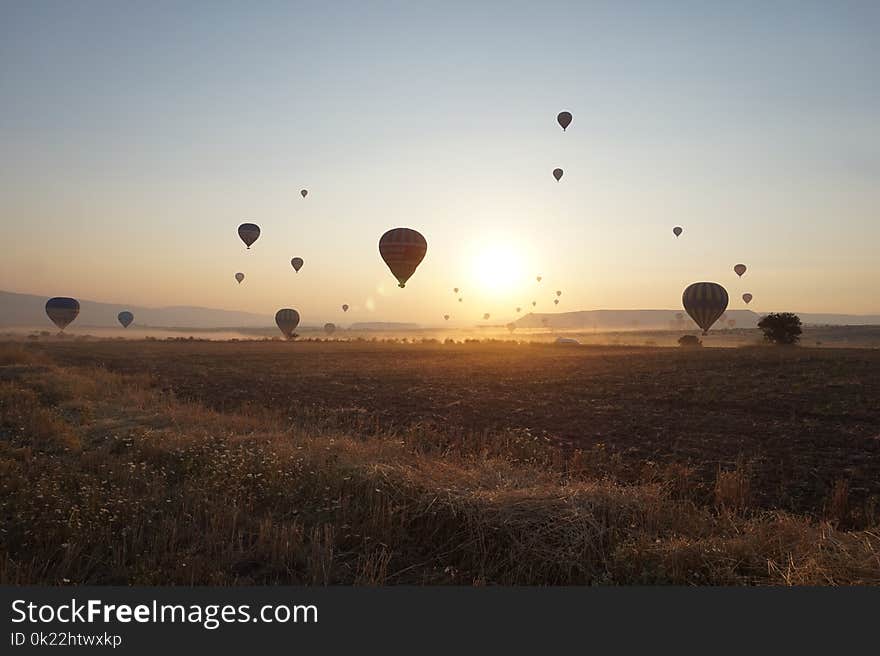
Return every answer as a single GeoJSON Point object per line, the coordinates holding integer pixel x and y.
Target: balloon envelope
{"type": "Point", "coordinates": [519, 309]}
{"type": "Point", "coordinates": [555, 301]}
{"type": "Point", "coordinates": [304, 192]}
{"type": "Point", "coordinates": [740, 269]}
{"type": "Point", "coordinates": [403, 249]}
{"type": "Point", "coordinates": [345, 307]}
{"type": "Point", "coordinates": [297, 263]}
{"type": "Point", "coordinates": [538, 278]}
{"type": "Point", "coordinates": [62, 310]}
{"type": "Point", "coordinates": [248, 233]}
{"type": "Point", "coordinates": [747, 298]}
{"type": "Point", "coordinates": [486, 316]}
{"type": "Point", "coordinates": [455, 289]}
{"type": "Point", "coordinates": [125, 318]}
{"type": "Point", "coordinates": [329, 328]}
{"type": "Point", "coordinates": [705, 302]}
{"type": "Point", "coordinates": [558, 293]}
{"type": "Point", "coordinates": [677, 230]}
{"type": "Point", "coordinates": [239, 277]}
{"type": "Point", "coordinates": [446, 317]}
{"type": "Point", "coordinates": [287, 321]}
{"type": "Point", "coordinates": [534, 303]}
{"type": "Point", "coordinates": [564, 119]}
{"type": "Point", "coordinates": [557, 173]}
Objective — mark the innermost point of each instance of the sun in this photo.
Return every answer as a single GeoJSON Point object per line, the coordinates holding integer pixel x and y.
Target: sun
{"type": "Point", "coordinates": [496, 269]}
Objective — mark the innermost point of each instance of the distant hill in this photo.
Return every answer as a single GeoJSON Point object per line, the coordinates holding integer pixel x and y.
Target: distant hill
{"type": "Point", "coordinates": [29, 310]}
{"type": "Point", "coordinates": [383, 325]}
{"type": "Point", "coordinates": [664, 319]}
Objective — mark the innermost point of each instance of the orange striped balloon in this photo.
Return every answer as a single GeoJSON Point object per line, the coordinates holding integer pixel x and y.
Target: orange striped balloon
{"type": "Point", "coordinates": [403, 250]}
{"type": "Point", "coordinates": [705, 302]}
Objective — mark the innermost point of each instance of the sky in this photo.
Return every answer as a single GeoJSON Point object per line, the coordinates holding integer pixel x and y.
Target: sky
{"type": "Point", "coordinates": [137, 136]}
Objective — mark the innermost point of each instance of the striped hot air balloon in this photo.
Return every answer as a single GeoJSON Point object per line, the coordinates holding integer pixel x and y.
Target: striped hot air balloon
{"type": "Point", "coordinates": [62, 310]}
{"type": "Point", "coordinates": [403, 250]}
{"type": "Point", "coordinates": [125, 318]}
{"type": "Point", "coordinates": [249, 232]}
{"type": "Point", "coordinates": [705, 302]}
{"type": "Point", "coordinates": [287, 321]}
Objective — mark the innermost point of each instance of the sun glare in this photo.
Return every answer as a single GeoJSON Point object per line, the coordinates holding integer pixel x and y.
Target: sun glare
{"type": "Point", "coordinates": [497, 268]}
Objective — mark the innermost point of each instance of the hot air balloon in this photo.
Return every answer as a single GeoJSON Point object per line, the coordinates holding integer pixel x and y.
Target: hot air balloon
{"type": "Point", "coordinates": [62, 310]}
{"type": "Point", "coordinates": [731, 322]}
{"type": "Point", "coordinates": [486, 316]}
{"type": "Point", "coordinates": [304, 192]}
{"type": "Point", "coordinates": [403, 250]}
{"type": "Point", "coordinates": [564, 120]}
{"type": "Point", "coordinates": [125, 318]}
{"type": "Point", "coordinates": [459, 300]}
{"type": "Point", "coordinates": [740, 269]}
{"type": "Point", "coordinates": [518, 310]}
{"type": "Point", "coordinates": [558, 293]}
{"type": "Point", "coordinates": [747, 298]}
{"type": "Point", "coordinates": [538, 278]}
{"type": "Point", "coordinates": [345, 307]}
{"type": "Point", "coordinates": [705, 302]}
{"type": "Point", "coordinates": [555, 301]}
{"type": "Point", "coordinates": [677, 231]}
{"type": "Point", "coordinates": [534, 303]}
{"type": "Point", "coordinates": [297, 263]}
{"type": "Point", "coordinates": [455, 290]}
{"type": "Point", "coordinates": [239, 277]}
{"type": "Point", "coordinates": [249, 233]}
{"type": "Point", "coordinates": [557, 173]}
{"type": "Point", "coordinates": [287, 321]}
{"type": "Point", "coordinates": [446, 317]}
{"type": "Point", "coordinates": [329, 328]}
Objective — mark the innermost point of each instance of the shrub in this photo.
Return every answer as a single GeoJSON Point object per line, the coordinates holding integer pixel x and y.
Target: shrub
{"type": "Point", "coordinates": [781, 328]}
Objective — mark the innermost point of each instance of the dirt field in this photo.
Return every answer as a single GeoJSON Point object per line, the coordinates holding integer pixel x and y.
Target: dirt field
{"type": "Point", "coordinates": [483, 463]}
{"type": "Point", "coordinates": [799, 419]}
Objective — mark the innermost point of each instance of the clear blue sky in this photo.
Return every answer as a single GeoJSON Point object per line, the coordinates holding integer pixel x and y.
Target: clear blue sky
{"type": "Point", "coordinates": [137, 136]}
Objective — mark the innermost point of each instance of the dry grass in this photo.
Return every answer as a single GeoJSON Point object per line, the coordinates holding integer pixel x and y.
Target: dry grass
{"type": "Point", "coordinates": [107, 480]}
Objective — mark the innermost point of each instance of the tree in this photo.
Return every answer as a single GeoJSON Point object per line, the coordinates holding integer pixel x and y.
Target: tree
{"type": "Point", "coordinates": [689, 341]}
{"type": "Point", "coordinates": [781, 328]}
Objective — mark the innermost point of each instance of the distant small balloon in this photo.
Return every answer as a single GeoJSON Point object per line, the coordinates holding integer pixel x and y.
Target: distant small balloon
{"type": "Point", "coordinates": [459, 300]}
{"type": "Point", "coordinates": [555, 301]}
{"type": "Point", "coordinates": [534, 303]}
{"type": "Point", "coordinates": [558, 293]}
{"type": "Point", "coordinates": [677, 231]}
{"type": "Point", "coordinates": [557, 173]}
{"type": "Point", "coordinates": [564, 119]}
{"type": "Point", "coordinates": [740, 269]}
{"type": "Point", "coordinates": [538, 278]}
{"type": "Point", "coordinates": [125, 318]}
{"type": "Point", "coordinates": [304, 192]}
{"type": "Point", "coordinates": [329, 328]}
{"type": "Point", "coordinates": [486, 316]}
{"type": "Point", "coordinates": [455, 289]}
{"type": "Point", "coordinates": [446, 317]}
{"type": "Point", "coordinates": [345, 307]}
{"type": "Point", "coordinates": [239, 277]}
{"type": "Point", "coordinates": [248, 232]}
{"type": "Point", "coordinates": [747, 298]}
{"type": "Point", "coordinates": [518, 310]}
{"type": "Point", "coordinates": [62, 310]}
{"type": "Point", "coordinates": [297, 263]}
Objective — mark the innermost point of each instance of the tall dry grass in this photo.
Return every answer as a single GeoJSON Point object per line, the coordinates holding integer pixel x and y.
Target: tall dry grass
{"type": "Point", "coordinates": [106, 480]}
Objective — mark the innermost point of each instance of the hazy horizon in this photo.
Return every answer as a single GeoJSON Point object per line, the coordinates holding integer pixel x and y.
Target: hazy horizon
{"type": "Point", "coordinates": [138, 137]}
